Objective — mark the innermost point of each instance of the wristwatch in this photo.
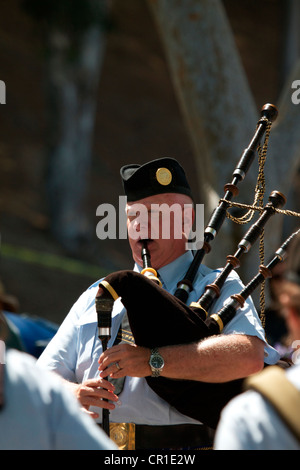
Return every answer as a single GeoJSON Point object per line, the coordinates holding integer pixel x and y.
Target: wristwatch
{"type": "Point", "coordinates": [156, 362]}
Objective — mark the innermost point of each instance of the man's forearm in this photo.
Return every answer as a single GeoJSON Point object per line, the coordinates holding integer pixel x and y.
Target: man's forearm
{"type": "Point", "coordinates": [215, 359]}
{"type": "Point", "coordinates": [73, 387]}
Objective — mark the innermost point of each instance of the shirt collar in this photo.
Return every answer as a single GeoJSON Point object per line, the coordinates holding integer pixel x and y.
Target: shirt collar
{"type": "Point", "coordinates": [173, 272]}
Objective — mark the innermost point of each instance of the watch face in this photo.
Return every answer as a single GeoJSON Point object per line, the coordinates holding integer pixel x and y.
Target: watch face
{"type": "Point", "coordinates": [157, 362]}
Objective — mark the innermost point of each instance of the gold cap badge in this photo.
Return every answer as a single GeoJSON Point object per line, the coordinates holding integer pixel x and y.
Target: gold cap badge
{"type": "Point", "coordinates": [164, 176]}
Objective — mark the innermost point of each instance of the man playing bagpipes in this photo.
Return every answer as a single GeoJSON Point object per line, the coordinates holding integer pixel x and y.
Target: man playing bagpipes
{"type": "Point", "coordinates": [137, 412]}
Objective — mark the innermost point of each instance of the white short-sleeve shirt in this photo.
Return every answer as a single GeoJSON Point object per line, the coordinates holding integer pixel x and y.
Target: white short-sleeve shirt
{"type": "Point", "coordinates": [75, 349]}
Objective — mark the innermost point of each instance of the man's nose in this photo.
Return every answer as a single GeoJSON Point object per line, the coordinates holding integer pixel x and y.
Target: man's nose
{"type": "Point", "coordinates": [141, 226]}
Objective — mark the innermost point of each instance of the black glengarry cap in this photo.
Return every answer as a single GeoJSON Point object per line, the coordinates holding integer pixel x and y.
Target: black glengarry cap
{"type": "Point", "coordinates": [163, 175]}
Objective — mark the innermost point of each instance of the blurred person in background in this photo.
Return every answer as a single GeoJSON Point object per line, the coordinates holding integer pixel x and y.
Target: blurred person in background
{"type": "Point", "coordinates": [37, 412]}
{"type": "Point", "coordinates": [257, 419]}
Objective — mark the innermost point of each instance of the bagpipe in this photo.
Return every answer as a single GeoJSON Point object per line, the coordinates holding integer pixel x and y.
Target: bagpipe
{"type": "Point", "coordinates": [158, 318]}
{"type": "Point", "coordinates": [269, 114]}
{"type": "Point", "coordinates": [151, 310]}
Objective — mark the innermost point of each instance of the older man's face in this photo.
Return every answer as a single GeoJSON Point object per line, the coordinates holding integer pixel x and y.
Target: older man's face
{"type": "Point", "coordinates": [165, 220]}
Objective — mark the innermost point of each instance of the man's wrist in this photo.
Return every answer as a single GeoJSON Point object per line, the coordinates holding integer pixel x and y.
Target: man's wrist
{"type": "Point", "coordinates": [156, 362]}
